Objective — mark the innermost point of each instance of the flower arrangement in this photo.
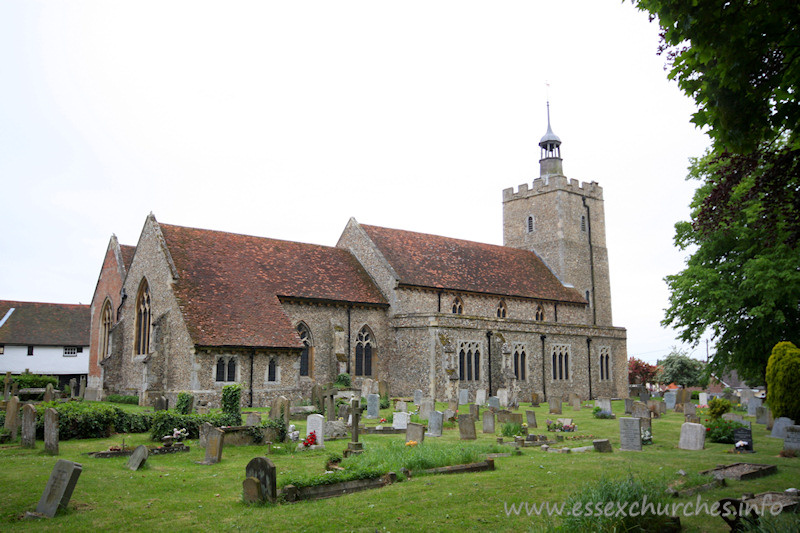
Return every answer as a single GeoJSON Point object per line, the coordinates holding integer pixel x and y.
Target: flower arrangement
{"type": "Point", "coordinates": [647, 436]}
{"type": "Point", "coordinates": [179, 434]}
{"type": "Point", "coordinates": [383, 420]}
{"type": "Point", "coordinates": [411, 443]}
{"type": "Point", "coordinates": [524, 425]}
{"type": "Point", "coordinates": [560, 426]}
{"type": "Point", "coordinates": [310, 440]}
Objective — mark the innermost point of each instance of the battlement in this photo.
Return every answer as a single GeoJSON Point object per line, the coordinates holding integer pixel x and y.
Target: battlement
{"type": "Point", "coordinates": [554, 183]}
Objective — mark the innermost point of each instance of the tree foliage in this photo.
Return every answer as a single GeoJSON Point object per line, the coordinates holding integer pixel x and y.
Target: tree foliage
{"type": "Point", "coordinates": [640, 372]}
{"type": "Point", "coordinates": [681, 369]}
{"type": "Point", "coordinates": [783, 381]}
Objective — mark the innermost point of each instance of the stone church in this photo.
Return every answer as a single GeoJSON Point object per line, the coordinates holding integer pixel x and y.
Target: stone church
{"type": "Point", "coordinates": [191, 309]}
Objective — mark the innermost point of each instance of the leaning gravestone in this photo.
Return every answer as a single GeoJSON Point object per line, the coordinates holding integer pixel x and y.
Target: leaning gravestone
{"type": "Point", "coordinates": [779, 427]}
{"type": "Point", "coordinates": [488, 422]}
{"type": "Point", "coordinates": [160, 404]}
{"type": "Point", "coordinates": [792, 439]}
{"type": "Point", "coordinates": [138, 458]}
{"type": "Point", "coordinates": [555, 406]}
{"type": "Point", "coordinates": [252, 491]}
{"type": "Point", "coordinates": [670, 398]}
{"type": "Point", "coordinates": [51, 431]}
{"type": "Point", "coordinates": [49, 395]}
{"type": "Point", "coordinates": [640, 410]}
{"type": "Point", "coordinates": [415, 432]}
{"type": "Point", "coordinates": [530, 419]}
{"type": "Point", "coordinates": [628, 405]}
{"type": "Point", "coordinates": [28, 426]}
{"type": "Point", "coordinates": [602, 446]}
{"type": "Point", "coordinates": [400, 420]}
{"type": "Point", "coordinates": [630, 434]}
{"type": "Point", "coordinates": [475, 411]}
{"type": "Point", "coordinates": [59, 487]}
{"type": "Point", "coordinates": [463, 396]}
{"type": "Point", "coordinates": [466, 427]}
{"type": "Point", "coordinates": [12, 417]}
{"type": "Point", "coordinates": [753, 405]}
{"type": "Point", "coordinates": [262, 469]}
{"type": "Point", "coordinates": [373, 405]}
{"type": "Point", "coordinates": [744, 435]}
{"type": "Point", "coordinates": [494, 402]}
{"type": "Point", "coordinates": [316, 423]}
{"type": "Point", "coordinates": [205, 431]}
{"type": "Point", "coordinates": [216, 440]}
{"type": "Point", "coordinates": [426, 407]}
{"type": "Point", "coordinates": [693, 436]}
{"type": "Point", "coordinates": [435, 421]}
{"type": "Point", "coordinates": [417, 397]}
{"type": "Point", "coordinates": [480, 396]}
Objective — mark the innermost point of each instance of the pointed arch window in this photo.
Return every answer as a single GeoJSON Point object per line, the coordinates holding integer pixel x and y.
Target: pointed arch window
{"type": "Point", "coordinates": [560, 356]}
{"type": "Point", "coordinates": [272, 370]}
{"type": "Point", "coordinates": [502, 310]}
{"type": "Point", "coordinates": [583, 222]}
{"type": "Point", "coordinates": [142, 326]}
{"type": "Point", "coordinates": [605, 366]}
{"type": "Point", "coordinates": [539, 315]}
{"type": "Point", "coordinates": [225, 368]}
{"type": "Point", "coordinates": [308, 348]}
{"type": "Point", "coordinates": [469, 361]}
{"type": "Point", "coordinates": [520, 362]}
{"type": "Point", "coordinates": [105, 331]}
{"type": "Point", "coordinates": [365, 348]}
{"type": "Point", "coordinates": [458, 306]}
{"type": "Point", "coordinates": [531, 224]}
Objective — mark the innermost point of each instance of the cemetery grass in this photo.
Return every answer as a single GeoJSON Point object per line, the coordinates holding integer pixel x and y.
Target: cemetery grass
{"type": "Point", "coordinates": [172, 492]}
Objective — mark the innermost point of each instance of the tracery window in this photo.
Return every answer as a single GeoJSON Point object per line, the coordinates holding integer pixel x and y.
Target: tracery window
{"type": "Point", "coordinates": [502, 310]}
{"type": "Point", "coordinates": [142, 325]}
{"type": "Point", "coordinates": [225, 368]}
{"type": "Point", "coordinates": [605, 364]}
{"type": "Point", "coordinates": [539, 315]}
{"type": "Point", "coordinates": [458, 306]}
{"type": "Point", "coordinates": [364, 351]}
{"type": "Point", "coordinates": [105, 331]}
{"type": "Point", "coordinates": [560, 355]}
{"type": "Point", "coordinates": [520, 362]}
{"type": "Point", "coordinates": [469, 361]}
{"type": "Point", "coordinates": [306, 354]}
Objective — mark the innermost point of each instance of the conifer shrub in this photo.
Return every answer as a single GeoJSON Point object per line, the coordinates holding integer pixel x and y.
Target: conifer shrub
{"type": "Point", "coordinates": [718, 407]}
{"type": "Point", "coordinates": [783, 381]}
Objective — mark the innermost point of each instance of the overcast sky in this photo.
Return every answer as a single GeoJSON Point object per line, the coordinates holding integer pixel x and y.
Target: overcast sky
{"type": "Point", "coordinates": [285, 119]}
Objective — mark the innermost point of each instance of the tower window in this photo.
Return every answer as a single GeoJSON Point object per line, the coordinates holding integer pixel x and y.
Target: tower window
{"type": "Point", "coordinates": [605, 369]}
{"type": "Point", "coordinates": [531, 226]}
{"type": "Point", "coordinates": [583, 222]}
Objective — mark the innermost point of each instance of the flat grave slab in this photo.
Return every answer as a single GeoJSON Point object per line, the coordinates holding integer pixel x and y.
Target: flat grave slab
{"type": "Point", "coordinates": [741, 471]}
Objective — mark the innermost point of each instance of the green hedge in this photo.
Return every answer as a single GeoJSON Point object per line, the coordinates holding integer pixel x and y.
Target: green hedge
{"type": "Point", "coordinates": [163, 422]}
{"type": "Point", "coordinates": [120, 398]}
{"type": "Point", "coordinates": [85, 420]}
{"type": "Point", "coordinates": [34, 381]}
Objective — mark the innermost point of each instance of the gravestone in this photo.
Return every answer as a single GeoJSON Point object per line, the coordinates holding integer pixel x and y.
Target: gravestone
{"type": "Point", "coordinates": [383, 388]}
{"type": "Point", "coordinates": [792, 439]}
{"type": "Point", "coordinates": [83, 387]}
{"type": "Point", "coordinates": [435, 421]}
{"type": "Point", "coordinates": [59, 487]}
{"type": "Point", "coordinates": [366, 387]}
{"type": "Point", "coordinates": [694, 419]}
{"type": "Point", "coordinates": [779, 427]}
{"type": "Point", "coordinates": [214, 444]}
{"type": "Point", "coordinates": [679, 408]}
{"type": "Point", "coordinates": [342, 411]}
{"type": "Point", "coordinates": [488, 422]}
{"type": "Point", "coordinates": [534, 399]}
{"type": "Point", "coordinates": [12, 417]}
{"type": "Point", "coordinates": [466, 427]}
{"type": "Point", "coordinates": [316, 423]}
{"type": "Point", "coordinates": [746, 395]}
{"type": "Point", "coordinates": [335, 429]}
{"type": "Point", "coordinates": [504, 416]}
{"type": "Point", "coordinates": [602, 446]}
{"type": "Point", "coordinates": [401, 406]}
{"type": "Point", "coordinates": [49, 395]}
{"type": "Point", "coordinates": [138, 458]}
{"type": "Point", "coordinates": [415, 432]}
{"type": "Point", "coordinates": [417, 397]}
{"type": "Point", "coordinates": [555, 406]}
{"type": "Point", "coordinates": [28, 426]}
{"type": "Point", "coordinates": [630, 434]}
{"type": "Point", "coordinates": [770, 419]}
{"type": "Point", "coordinates": [494, 402]}
{"type": "Point", "coordinates": [474, 411]}
{"type": "Point", "coordinates": [576, 403]}
{"type": "Point", "coordinates": [373, 405]}
{"type": "Point", "coordinates": [628, 406]}
{"type": "Point", "coordinates": [480, 396]}
{"type": "Point", "coordinates": [51, 431]}
{"type": "Point", "coordinates": [703, 398]}
{"type": "Point", "coordinates": [502, 396]}
{"type": "Point", "coordinates": [572, 397]}
{"type": "Point", "coordinates": [354, 447]}
{"type": "Point", "coordinates": [684, 396]}
{"type": "Point", "coordinates": [530, 419]}
{"type": "Point", "coordinates": [426, 407]}
{"type": "Point", "coordinates": [646, 423]}
{"type": "Point", "coordinates": [670, 399]}
{"type": "Point", "coordinates": [205, 431]}
{"type": "Point", "coordinates": [400, 420]}
{"type": "Point", "coordinates": [262, 469]}
{"type": "Point", "coordinates": [743, 435]}
{"type": "Point", "coordinates": [449, 414]}
{"type": "Point", "coordinates": [463, 396]}
{"type": "Point", "coordinates": [690, 409]}
{"type": "Point", "coordinates": [753, 405]}
{"type": "Point", "coordinates": [160, 404]}
{"type": "Point", "coordinates": [329, 399]}
{"type": "Point", "coordinates": [733, 417]}
{"type": "Point", "coordinates": [604, 404]}
{"type": "Point", "coordinates": [564, 421]}
{"type": "Point", "coordinates": [761, 414]}
{"type": "Point", "coordinates": [252, 491]}
{"type": "Point", "coordinates": [640, 410]}
{"type": "Point", "coordinates": [253, 419]}
{"type": "Point", "coordinates": [644, 396]}
{"type": "Point", "coordinates": [316, 397]}
{"type": "Point", "coordinates": [452, 406]}
{"type": "Point", "coordinates": [73, 388]}
{"type": "Point", "coordinates": [693, 436]}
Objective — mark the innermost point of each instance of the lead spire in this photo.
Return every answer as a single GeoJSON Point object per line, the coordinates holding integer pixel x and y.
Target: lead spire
{"type": "Point", "coordinates": [550, 162]}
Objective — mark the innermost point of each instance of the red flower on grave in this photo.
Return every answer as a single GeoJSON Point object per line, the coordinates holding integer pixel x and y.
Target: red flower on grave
{"type": "Point", "coordinates": [311, 439]}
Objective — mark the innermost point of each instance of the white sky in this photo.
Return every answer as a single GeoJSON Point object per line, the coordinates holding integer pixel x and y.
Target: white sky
{"type": "Point", "coordinates": [284, 119]}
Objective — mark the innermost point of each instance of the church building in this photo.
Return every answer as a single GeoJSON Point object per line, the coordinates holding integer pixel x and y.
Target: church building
{"type": "Point", "coordinates": [192, 310]}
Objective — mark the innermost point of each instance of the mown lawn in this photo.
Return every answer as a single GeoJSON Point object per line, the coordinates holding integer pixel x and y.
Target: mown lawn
{"type": "Point", "coordinates": [172, 493]}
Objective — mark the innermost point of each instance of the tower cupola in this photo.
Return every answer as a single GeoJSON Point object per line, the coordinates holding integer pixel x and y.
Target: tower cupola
{"type": "Point", "coordinates": [550, 162]}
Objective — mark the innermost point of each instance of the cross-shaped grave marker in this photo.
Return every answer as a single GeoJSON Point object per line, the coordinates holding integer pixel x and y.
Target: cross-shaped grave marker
{"type": "Point", "coordinates": [354, 447]}
{"type": "Point", "coordinates": [328, 394]}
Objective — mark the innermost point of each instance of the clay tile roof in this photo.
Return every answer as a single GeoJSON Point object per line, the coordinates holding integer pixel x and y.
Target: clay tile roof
{"type": "Point", "coordinates": [127, 255]}
{"type": "Point", "coordinates": [229, 285]}
{"type": "Point", "coordinates": [443, 263]}
{"type": "Point", "coordinates": [45, 324]}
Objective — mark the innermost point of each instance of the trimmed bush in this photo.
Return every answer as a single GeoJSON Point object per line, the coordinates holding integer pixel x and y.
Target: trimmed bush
{"type": "Point", "coordinates": [119, 398]}
{"type": "Point", "coordinates": [719, 430]}
{"type": "Point", "coordinates": [184, 403]}
{"type": "Point", "coordinates": [34, 381]}
{"type": "Point", "coordinates": [783, 381]}
{"type": "Point", "coordinates": [718, 407]}
{"type": "Point", "coordinates": [232, 404]}
{"type": "Point", "coordinates": [80, 420]}
{"type": "Point", "coordinates": [164, 422]}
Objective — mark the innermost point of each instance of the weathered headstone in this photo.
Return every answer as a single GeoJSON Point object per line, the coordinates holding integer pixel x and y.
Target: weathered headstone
{"type": "Point", "coordinates": [417, 397]}
{"type": "Point", "coordinates": [51, 431]}
{"type": "Point", "coordinates": [252, 491]}
{"type": "Point", "coordinates": [28, 426]}
{"type": "Point", "coordinates": [753, 405]}
{"type": "Point", "coordinates": [329, 399]}
{"type": "Point", "coordinates": [530, 419]}
{"type": "Point", "coordinates": [12, 417]}
{"type": "Point", "coordinates": [640, 410]}
{"type": "Point", "coordinates": [435, 422]}
{"type": "Point", "coordinates": [316, 397]}
{"type": "Point", "coordinates": [744, 435]}
{"type": "Point", "coordinates": [466, 427]}
{"type": "Point", "coordinates": [646, 423]}
{"type": "Point", "coordinates": [770, 419]}
{"type": "Point", "coordinates": [604, 404]}
{"type": "Point", "coordinates": [401, 406]}
{"type": "Point", "coordinates": [214, 445]}
{"type": "Point", "coordinates": [644, 396]}
{"type": "Point", "coordinates": [733, 417]}
{"type": "Point", "coordinates": [373, 405]}
{"type": "Point", "coordinates": [576, 403]}
{"type": "Point", "coordinates": [630, 434]}
{"type": "Point", "coordinates": [400, 420]}
{"type": "Point", "coordinates": [480, 396]}
{"type": "Point", "coordinates": [383, 388]}
{"type": "Point", "coordinates": [602, 446]}
{"type": "Point", "coordinates": [253, 419]}
{"type": "Point", "coordinates": [354, 447]}
{"type": "Point", "coordinates": [534, 399]}
{"type": "Point", "coordinates": [628, 406]}
{"type": "Point", "coordinates": [690, 409]}
{"type": "Point", "coordinates": [335, 429]}
{"type": "Point", "coordinates": [694, 419]}
{"type": "Point", "coordinates": [504, 416]}
{"type": "Point", "coordinates": [138, 458]}
{"type": "Point", "coordinates": [555, 406]}
{"type": "Point", "coordinates": [449, 414]}
{"type": "Point", "coordinates": [670, 399]}
{"type": "Point", "coordinates": [366, 387]}
{"type": "Point", "coordinates": [316, 423]}
{"type": "Point", "coordinates": [452, 406]}
{"type": "Point", "coordinates": [463, 396]}
{"type": "Point", "coordinates": [475, 411]}
{"type": "Point", "coordinates": [779, 427]}
{"type": "Point", "coordinates": [83, 387]}
{"type": "Point", "coordinates": [703, 398]}
{"type": "Point", "coordinates": [488, 422]}
{"type": "Point", "coordinates": [49, 395]}
{"type": "Point", "coordinates": [502, 396]}
{"type": "Point", "coordinates": [160, 404]}
{"type": "Point", "coordinates": [59, 487]}
{"type": "Point", "coordinates": [415, 432]}
{"type": "Point", "coordinates": [494, 402]}
{"type": "Point", "coordinates": [262, 469]}
{"type": "Point", "coordinates": [73, 388]}
{"type": "Point", "coordinates": [693, 436]}
{"type": "Point", "coordinates": [205, 431]}
{"type": "Point", "coordinates": [426, 406]}
{"type": "Point", "coordinates": [761, 414]}
{"type": "Point", "coordinates": [792, 439]}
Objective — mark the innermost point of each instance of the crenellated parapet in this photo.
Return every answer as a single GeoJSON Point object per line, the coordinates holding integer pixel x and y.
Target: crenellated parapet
{"type": "Point", "coordinates": [554, 183]}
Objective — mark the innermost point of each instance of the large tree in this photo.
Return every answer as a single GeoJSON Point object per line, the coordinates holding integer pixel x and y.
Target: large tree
{"type": "Point", "coordinates": [682, 370]}
{"type": "Point", "coordinates": [740, 62]}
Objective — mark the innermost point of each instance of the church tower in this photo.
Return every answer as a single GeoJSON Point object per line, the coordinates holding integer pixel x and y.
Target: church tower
{"type": "Point", "coordinates": [562, 221]}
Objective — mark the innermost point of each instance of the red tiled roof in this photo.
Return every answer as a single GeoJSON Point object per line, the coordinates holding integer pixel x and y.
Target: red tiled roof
{"type": "Point", "coordinates": [229, 285]}
{"type": "Point", "coordinates": [127, 255]}
{"type": "Point", "coordinates": [45, 324]}
{"type": "Point", "coordinates": [441, 262]}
